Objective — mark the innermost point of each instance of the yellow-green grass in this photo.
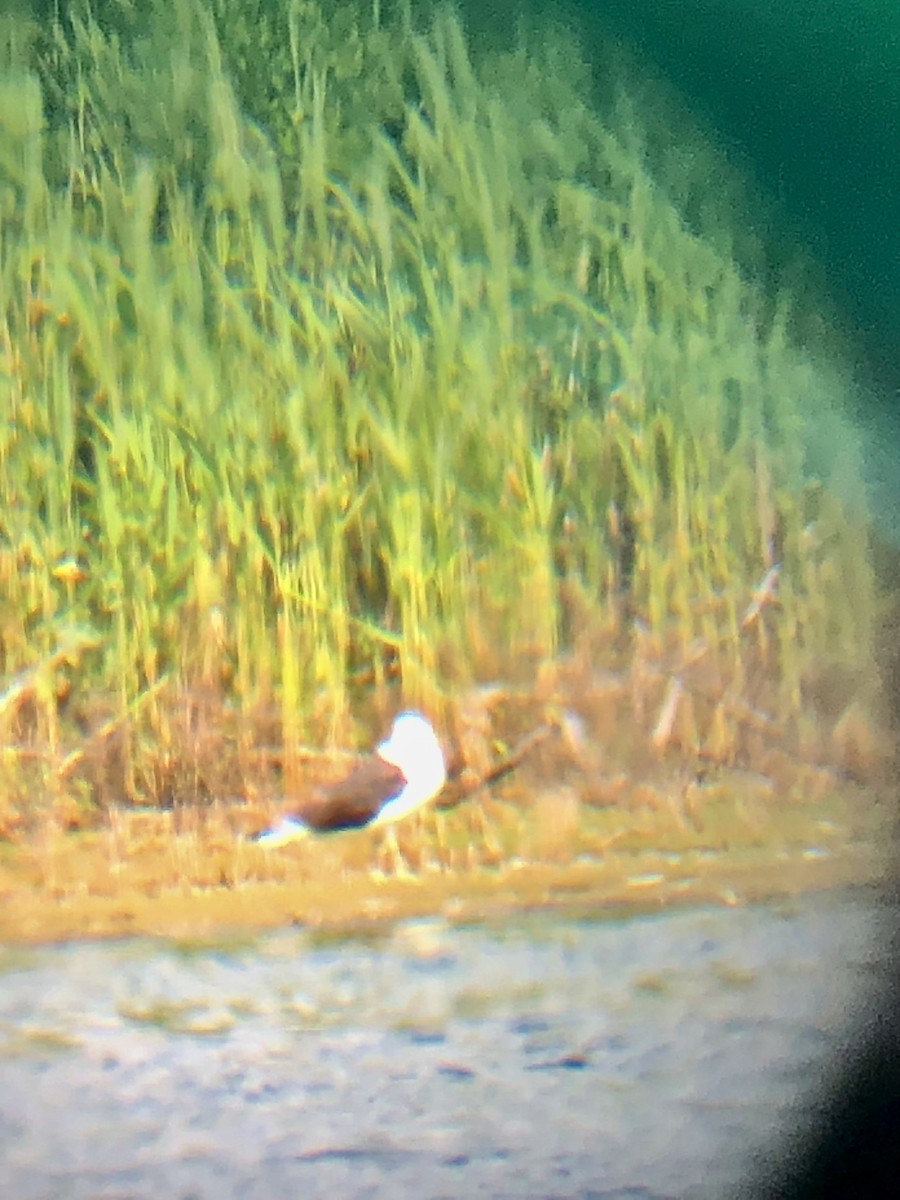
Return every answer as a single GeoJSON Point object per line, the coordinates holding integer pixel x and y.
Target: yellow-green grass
{"type": "Point", "coordinates": [149, 874]}
{"type": "Point", "coordinates": [339, 362]}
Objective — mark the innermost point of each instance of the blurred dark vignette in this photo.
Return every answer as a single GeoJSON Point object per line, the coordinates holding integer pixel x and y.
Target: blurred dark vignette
{"type": "Point", "coordinates": [737, 64]}
{"type": "Point", "coordinates": [855, 1147]}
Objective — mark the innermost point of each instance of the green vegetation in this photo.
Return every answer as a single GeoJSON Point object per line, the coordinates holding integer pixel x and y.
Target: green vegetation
{"type": "Point", "coordinates": [331, 352]}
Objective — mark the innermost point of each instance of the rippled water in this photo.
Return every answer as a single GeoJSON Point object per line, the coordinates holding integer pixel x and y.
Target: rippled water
{"type": "Point", "coordinates": [631, 1055]}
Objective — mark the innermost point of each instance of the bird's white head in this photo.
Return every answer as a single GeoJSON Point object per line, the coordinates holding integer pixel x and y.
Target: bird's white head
{"type": "Point", "coordinates": [414, 748]}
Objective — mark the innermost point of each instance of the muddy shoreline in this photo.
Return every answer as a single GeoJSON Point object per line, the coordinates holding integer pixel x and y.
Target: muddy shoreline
{"type": "Point", "coordinates": [209, 882]}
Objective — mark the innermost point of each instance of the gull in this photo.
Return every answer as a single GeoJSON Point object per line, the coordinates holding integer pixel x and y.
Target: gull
{"type": "Point", "coordinates": [405, 772]}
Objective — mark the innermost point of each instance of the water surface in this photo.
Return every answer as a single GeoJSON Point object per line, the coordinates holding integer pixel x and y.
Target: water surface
{"type": "Point", "coordinates": [654, 1056]}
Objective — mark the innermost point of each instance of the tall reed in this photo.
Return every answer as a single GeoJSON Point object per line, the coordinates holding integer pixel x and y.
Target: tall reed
{"type": "Point", "coordinates": [327, 343]}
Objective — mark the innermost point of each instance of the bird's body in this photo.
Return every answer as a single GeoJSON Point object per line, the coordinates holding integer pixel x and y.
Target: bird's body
{"type": "Point", "coordinates": [405, 772]}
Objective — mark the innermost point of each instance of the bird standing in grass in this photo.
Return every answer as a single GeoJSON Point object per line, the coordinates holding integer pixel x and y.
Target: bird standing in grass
{"type": "Point", "coordinates": [403, 775]}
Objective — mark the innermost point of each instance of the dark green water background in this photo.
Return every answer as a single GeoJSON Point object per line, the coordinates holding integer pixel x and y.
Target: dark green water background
{"type": "Point", "coordinates": [804, 99]}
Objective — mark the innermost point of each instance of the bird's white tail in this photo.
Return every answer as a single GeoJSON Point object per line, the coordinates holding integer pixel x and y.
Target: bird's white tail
{"type": "Point", "coordinates": [288, 829]}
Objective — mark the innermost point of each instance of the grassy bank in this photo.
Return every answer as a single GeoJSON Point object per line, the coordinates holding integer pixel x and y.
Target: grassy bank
{"type": "Point", "coordinates": [341, 361]}
{"type": "Point", "coordinates": [194, 875]}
